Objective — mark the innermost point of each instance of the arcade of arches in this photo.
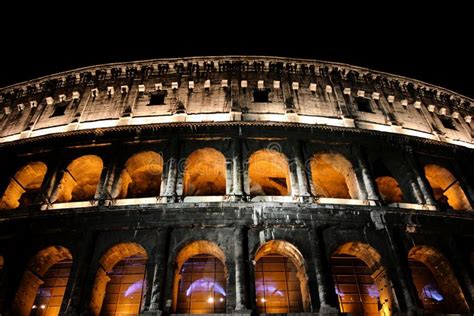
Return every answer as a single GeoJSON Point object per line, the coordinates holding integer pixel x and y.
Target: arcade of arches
{"type": "Point", "coordinates": [205, 174]}
{"type": "Point", "coordinates": [361, 283]}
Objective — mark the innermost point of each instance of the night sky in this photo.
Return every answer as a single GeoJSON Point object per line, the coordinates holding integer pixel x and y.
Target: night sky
{"type": "Point", "coordinates": [423, 47]}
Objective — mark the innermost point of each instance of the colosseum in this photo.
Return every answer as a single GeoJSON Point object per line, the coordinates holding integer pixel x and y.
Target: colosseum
{"type": "Point", "coordinates": [237, 185]}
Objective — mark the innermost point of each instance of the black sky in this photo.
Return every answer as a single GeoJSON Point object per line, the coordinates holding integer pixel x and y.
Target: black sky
{"type": "Point", "coordinates": [427, 47]}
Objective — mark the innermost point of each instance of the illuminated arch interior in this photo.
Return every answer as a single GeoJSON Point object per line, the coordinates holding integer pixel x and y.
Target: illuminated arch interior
{"type": "Point", "coordinates": [205, 173]}
{"type": "Point", "coordinates": [43, 283]}
{"type": "Point", "coordinates": [269, 173]}
{"type": "Point", "coordinates": [446, 189]}
{"type": "Point", "coordinates": [141, 176]}
{"type": "Point", "coordinates": [24, 185]}
{"type": "Point", "coordinates": [281, 283]}
{"type": "Point", "coordinates": [361, 282]}
{"type": "Point", "coordinates": [120, 280]}
{"type": "Point", "coordinates": [437, 287]}
{"type": "Point", "coordinates": [387, 185]}
{"type": "Point", "coordinates": [80, 179]}
{"type": "Point", "coordinates": [200, 279]}
{"type": "Point", "coordinates": [333, 176]}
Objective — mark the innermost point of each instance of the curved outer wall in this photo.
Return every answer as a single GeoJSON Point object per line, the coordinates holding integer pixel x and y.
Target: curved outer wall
{"type": "Point", "coordinates": [236, 106]}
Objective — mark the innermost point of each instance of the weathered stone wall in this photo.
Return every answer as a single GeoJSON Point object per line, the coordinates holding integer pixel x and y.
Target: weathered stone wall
{"type": "Point", "coordinates": [228, 89]}
{"type": "Point", "coordinates": [238, 223]}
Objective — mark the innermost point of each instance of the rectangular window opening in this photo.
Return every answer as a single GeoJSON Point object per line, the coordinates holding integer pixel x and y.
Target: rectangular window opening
{"type": "Point", "coordinates": [261, 95]}
{"type": "Point", "coordinates": [157, 98]}
{"type": "Point", "coordinates": [363, 105]}
{"type": "Point", "coordinates": [447, 122]}
{"type": "Point", "coordinates": [59, 109]}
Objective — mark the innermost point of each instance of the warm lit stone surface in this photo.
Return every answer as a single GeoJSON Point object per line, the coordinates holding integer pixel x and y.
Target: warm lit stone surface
{"type": "Point", "coordinates": [255, 177]}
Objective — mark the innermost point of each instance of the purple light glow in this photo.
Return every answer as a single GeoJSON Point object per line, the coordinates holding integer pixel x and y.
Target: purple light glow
{"type": "Point", "coordinates": [268, 288]}
{"type": "Point", "coordinates": [431, 291]}
{"type": "Point", "coordinates": [339, 293]}
{"type": "Point", "coordinates": [44, 292]}
{"type": "Point", "coordinates": [205, 284]}
{"type": "Point", "coordinates": [373, 292]}
{"type": "Point", "coordinates": [135, 287]}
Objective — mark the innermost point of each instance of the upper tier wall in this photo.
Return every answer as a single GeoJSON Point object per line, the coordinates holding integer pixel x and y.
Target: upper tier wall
{"type": "Point", "coordinates": [233, 89]}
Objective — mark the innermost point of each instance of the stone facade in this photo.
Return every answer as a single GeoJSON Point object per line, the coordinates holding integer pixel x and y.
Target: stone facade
{"type": "Point", "coordinates": [356, 124]}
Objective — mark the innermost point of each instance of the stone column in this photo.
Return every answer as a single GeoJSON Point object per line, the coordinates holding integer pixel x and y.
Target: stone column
{"type": "Point", "coordinates": [26, 293]}
{"type": "Point", "coordinates": [172, 171]}
{"type": "Point", "coordinates": [464, 183]}
{"type": "Point", "coordinates": [365, 175]}
{"type": "Point", "coordinates": [420, 178]}
{"type": "Point", "coordinates": [399, 275]}
{"type": "Point", "coordinates": [324, 288]}
{"type": "Point", "coordinates": [237, 189]}
{"type": "Point", "coordinates": [104, 188]}
{"type": "Point", "coordinates": [239, 259]}
{"type": "Point", "coordinates": [98, 292]}
{"type": "Point", "coordinates": [157, 269]}
{"type": "Point", "coordinates": [461, 271]}
{"type": "Point", "coordinates": [300, 169]}
{"type": "Point", "coordinates": [51, 179]}
{"type": "Point", "coordinates": [294, 181]}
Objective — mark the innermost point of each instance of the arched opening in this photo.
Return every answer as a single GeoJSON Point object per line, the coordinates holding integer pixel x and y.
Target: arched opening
{"type": "Point", "coordinates": [446, 189]}
{"type": "Point", "coordinates": [333, 176]}
{"type": "Point", "coordinates": [281, 283]}
{"type": "Point", "coordinates": [200, 279]}
{"type": "Point", "coordinates": [387, 185]}
{"type": "Point", "coordinates": [360, 281]}
{"type": "Point", "coordinates": [43, 283]}
{"type": "Point", "coordinates": [205, 173]}
{"type": "Point", "coordinates": [269, 173]}
{"type": "Point", "coordinates": [120, 281]}
{"type": "Point", "coordinates": [24, 186]}
{"type": "Point", "coordinates": [80, 179]}
{"type": "Point", "coordinates": [141, 176]}
{"type": "Point", "coordinates": [436, 285]}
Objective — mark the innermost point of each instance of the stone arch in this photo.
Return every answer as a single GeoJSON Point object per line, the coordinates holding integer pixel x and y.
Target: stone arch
{"type": "Point", "coordinates": [288, 250]}
{"type": "Point", "coordinates": [372, 260]}
{"type": "Point", "coordinates": [205, 173]}
{"type": "Point", "coordinates": [80, 179]}
{"type": "Point", "coordinates": [333, 176]}
{"type": "Point", "coordinates": [107, 262]}
{"type": "Point", "coordinates": [446, 188]}
{"type": "Point", "coordinates": [141, 175]}
{"type": "Point", "coordinates": [24, 185]}
{"type": "Point", "coordinates": [269, 173]}
{"type": "Point", "coordinates": [32, 277]}
{"type": "Point", "coordinates": [190, 250]}
{"type": "Point", "coordinates": [442, 271]}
